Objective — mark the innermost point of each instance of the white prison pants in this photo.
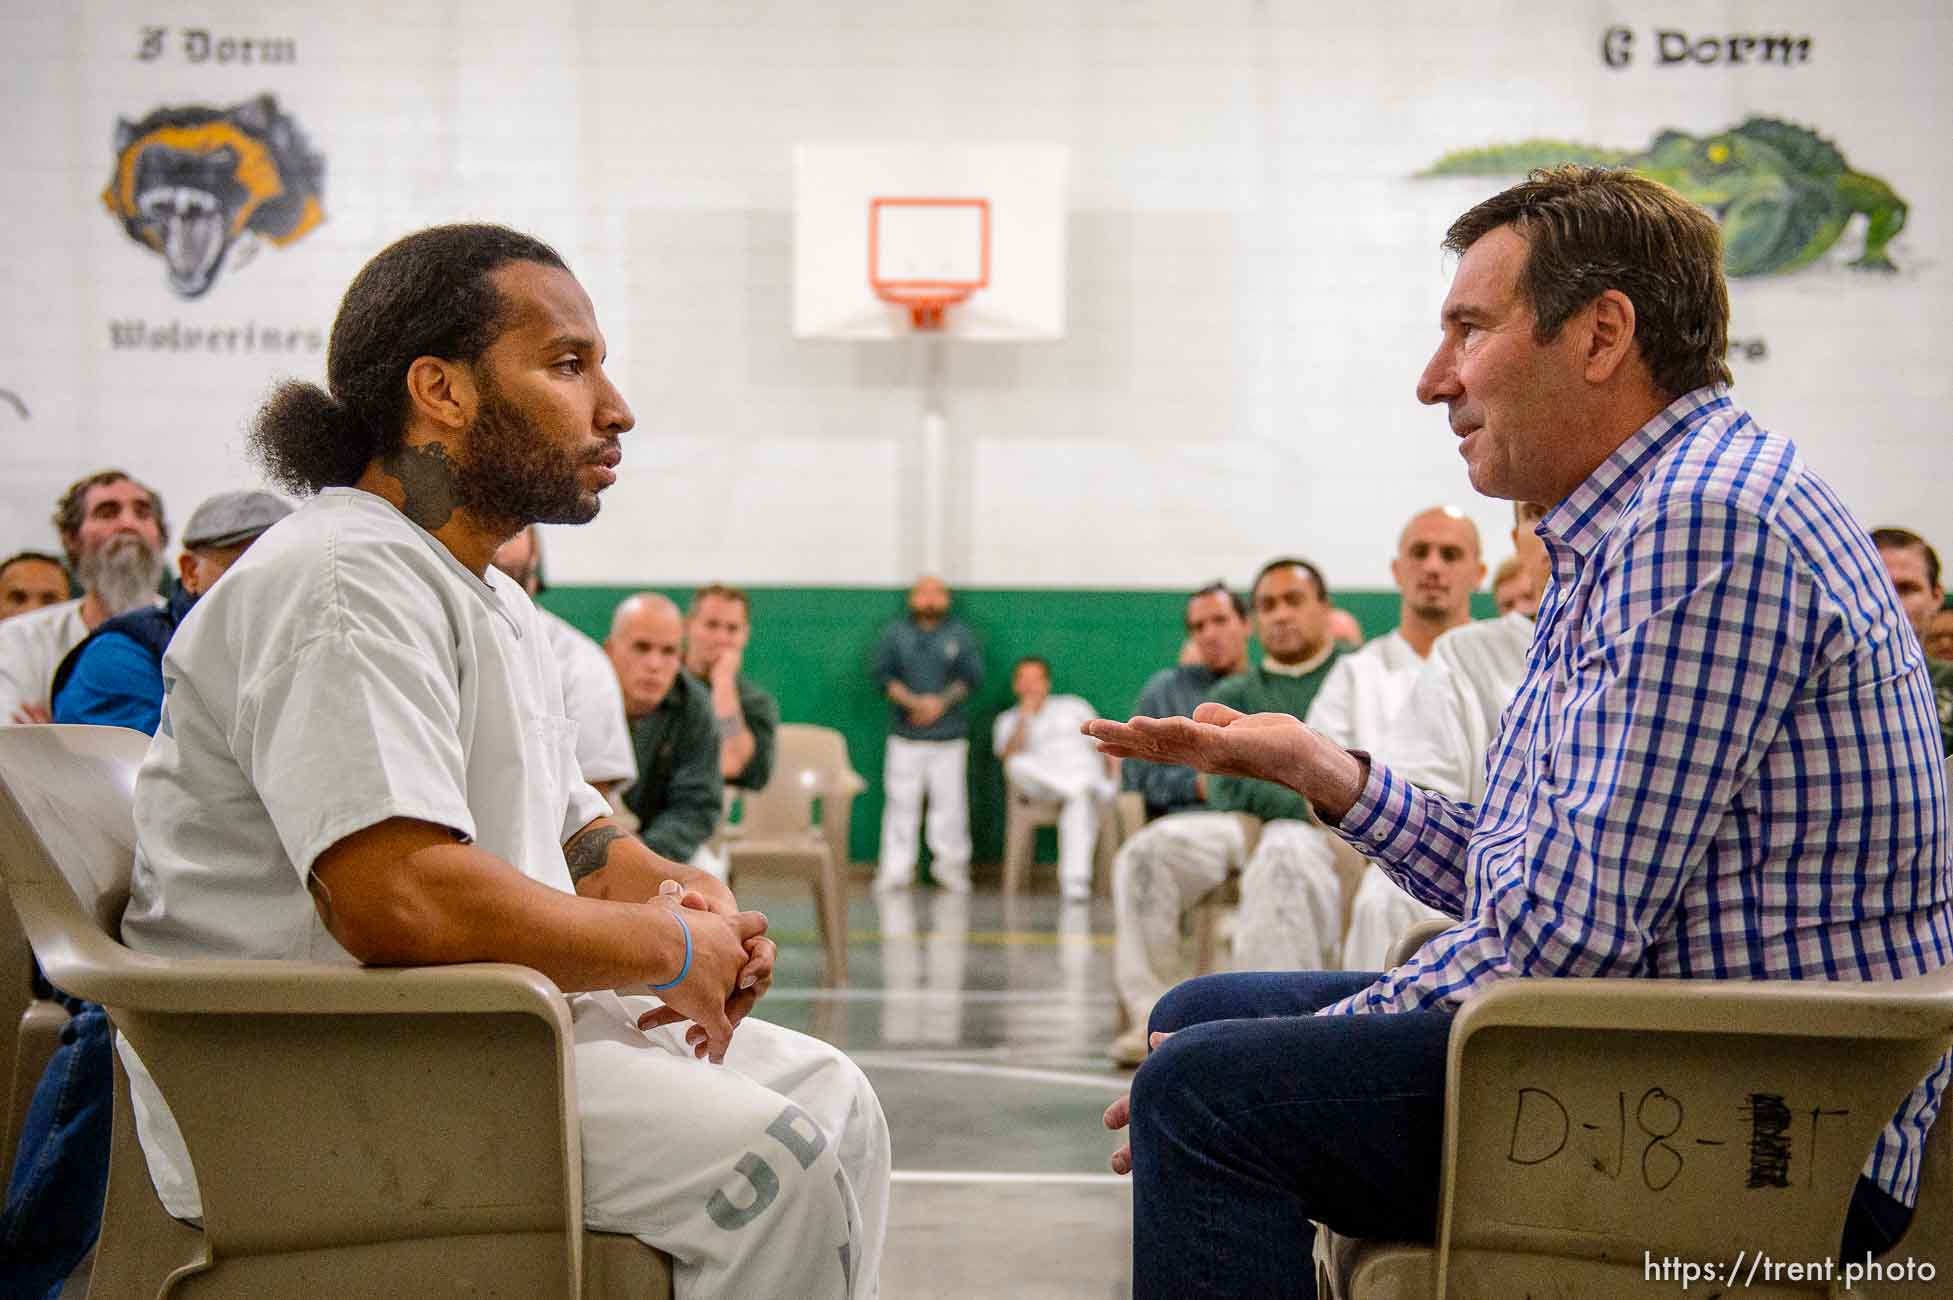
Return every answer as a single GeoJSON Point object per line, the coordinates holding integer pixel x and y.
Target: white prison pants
{"type": "Point", "coordinates": [1080, 796]}
{"type": "Point", "coordinates": [911, 769]}
{"type": "Point", "coordinates": [1382, 912]}
{"type": "Point", "coordinates": [712, 862]}
{"type": "Point", "coordinates": [1291, 899]}
{"type": "Point", "coordinates": [765, 1176]}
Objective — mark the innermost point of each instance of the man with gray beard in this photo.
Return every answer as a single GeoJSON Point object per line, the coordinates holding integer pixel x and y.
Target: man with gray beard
{"type": "Point", "coordinates": [112, 530]}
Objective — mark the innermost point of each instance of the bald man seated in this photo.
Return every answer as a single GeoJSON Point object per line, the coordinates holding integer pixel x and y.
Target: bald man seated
{"type": "Point", "coordinates": [679, 793]}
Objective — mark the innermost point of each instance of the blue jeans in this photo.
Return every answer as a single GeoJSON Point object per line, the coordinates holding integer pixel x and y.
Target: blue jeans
{"type": "Point", "coordinates": [1257, 1117]}
{"type": "Point", "coordinates": [60, 1175]}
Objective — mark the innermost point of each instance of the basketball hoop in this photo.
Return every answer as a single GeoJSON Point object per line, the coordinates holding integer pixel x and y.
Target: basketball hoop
{"type": "Point", "coordinates": [934, 254]}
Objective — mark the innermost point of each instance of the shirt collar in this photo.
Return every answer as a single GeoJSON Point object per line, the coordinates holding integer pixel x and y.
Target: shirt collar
{"type": "Point", "coordinates": [1591, 509]}
{"type": "Point", "coordinates": [1303, 669]}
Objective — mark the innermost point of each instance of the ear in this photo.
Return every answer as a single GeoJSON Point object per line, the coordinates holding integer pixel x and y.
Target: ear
{"type": "Point", "coordinates": [1611, 341]}
{"type": "Point", "coordinates": [441, 394]}
{"type": "Point", "coordinates": [186, 572]}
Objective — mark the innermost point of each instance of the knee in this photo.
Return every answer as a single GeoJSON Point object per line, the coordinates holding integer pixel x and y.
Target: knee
{"type": "Point", "coordinates": [1189, 1002]}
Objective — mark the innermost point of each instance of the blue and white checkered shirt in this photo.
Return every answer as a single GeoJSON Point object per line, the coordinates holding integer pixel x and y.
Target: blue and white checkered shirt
{"type": "Point", "coordinates": [1723, 762]}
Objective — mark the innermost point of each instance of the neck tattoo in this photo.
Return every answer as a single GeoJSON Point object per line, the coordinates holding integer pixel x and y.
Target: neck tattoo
{"type": "Point", "coordinates": [427, 483]}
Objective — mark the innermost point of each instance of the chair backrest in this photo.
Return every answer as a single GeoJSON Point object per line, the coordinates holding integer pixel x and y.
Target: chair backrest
{"type": "Point", "coordinates": [811, 764]}
{"type": "Point", "coordinates": [67, 841]}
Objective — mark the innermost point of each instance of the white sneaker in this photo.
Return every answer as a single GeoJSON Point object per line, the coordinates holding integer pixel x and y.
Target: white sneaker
{"type": "Point", "coordinates": [1129, 1048]}
{"type": "Point", "coordinates": [892, 884]}
{"type": "Point", "coordinates": [953, 884]}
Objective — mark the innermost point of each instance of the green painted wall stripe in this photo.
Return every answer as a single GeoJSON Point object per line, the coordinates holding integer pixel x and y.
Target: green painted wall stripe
{"type": "Point", "coordinates": [812, 646]}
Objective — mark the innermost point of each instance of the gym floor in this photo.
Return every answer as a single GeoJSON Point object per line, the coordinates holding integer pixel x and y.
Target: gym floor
{"type": "Point", "coordinates": [983, 1024]}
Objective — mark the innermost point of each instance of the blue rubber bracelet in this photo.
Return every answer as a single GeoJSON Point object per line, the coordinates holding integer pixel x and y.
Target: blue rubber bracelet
{"type": "Point", "coordinates": [686, 969]}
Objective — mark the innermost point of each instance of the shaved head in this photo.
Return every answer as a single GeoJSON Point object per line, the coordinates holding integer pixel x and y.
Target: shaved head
{"type": "Point", "coordinates": [1437, 566]}
{"type": "Point", "coordinates": [646, 636]}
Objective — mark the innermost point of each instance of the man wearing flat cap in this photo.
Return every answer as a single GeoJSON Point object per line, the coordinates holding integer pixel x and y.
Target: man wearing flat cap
{"type": "Point", "coordinates": [115, 677]}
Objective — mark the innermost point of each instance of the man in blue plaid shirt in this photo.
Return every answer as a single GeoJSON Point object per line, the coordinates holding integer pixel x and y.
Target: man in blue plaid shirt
{"type": "Point", "coordinates": [1723, 761]}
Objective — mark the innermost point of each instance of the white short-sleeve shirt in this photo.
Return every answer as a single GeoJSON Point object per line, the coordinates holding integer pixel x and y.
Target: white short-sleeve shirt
{"type": "Point", "coordinates": [1362, 694]}
{"type": "Point", "coordinates": [32, 646]}
{"type": "Point", "coordinates": [1439, 739]}
{"type": "Point", "coordinates": [593, 698]}
{"type": "Point", "coordinates": [1055, 736]}
{"type": "Point", "coordinates": [347, 670]}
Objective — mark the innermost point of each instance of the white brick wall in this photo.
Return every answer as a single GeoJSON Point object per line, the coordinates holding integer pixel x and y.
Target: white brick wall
{"type": "Point", "coordinates": [1252, 289]}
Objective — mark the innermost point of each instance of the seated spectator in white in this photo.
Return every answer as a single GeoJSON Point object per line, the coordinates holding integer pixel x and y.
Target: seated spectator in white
{"type": "Point", "coordinates": [1047, 755]}
{"type": "Point", "coordinates": [31, 580]}
{"type": "Point", "coordinates": [1436, 568]}
{"type": "Point", "coordinates": [374, 707]}
{"type": "Point", "coordinates": [1441, 736]}
{"type": "Point", "coordinates": [1291, 899]}
{"type": "Point", "coordinates": [717, 629]}
{"type": "Point", "coordinates": [114, 678]}
{"type": "Point", "coordinates": [679, 796]}
{"type": "Point", "coordinates": [590, 692]}
{"type": "Point", "coordinates": [112, 530]}
{"type": "Point", "coordinates": [1216, 647]}
{"type": "Point", "coordinates": [1913, 566]}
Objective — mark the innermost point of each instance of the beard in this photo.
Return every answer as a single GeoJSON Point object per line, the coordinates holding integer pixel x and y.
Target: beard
{"type": "Point", "coordinates": [514, 473]}
{"type": "Point", "coordinates": [123, 572]}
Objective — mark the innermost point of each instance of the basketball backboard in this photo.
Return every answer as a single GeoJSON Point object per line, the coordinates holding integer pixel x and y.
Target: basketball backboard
{"type": "Point", "coordinates": [891, 238]}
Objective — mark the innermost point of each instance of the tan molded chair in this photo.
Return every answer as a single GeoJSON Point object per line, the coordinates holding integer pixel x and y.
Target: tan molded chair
{"type": "Point", "coordinates": [30, 1028]}
{"type": "Point", "coordinates": [354, 1132]}
{"type": "Point", "coordinates": [1595, 1125]}
{"type": "Point", "coordinates": [1023, 814]}
{"type": "Point", "coordinates": [777, 828]}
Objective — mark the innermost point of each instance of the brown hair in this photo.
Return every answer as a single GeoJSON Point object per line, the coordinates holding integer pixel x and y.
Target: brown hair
{"type": "Point", "coordinates": [1591, 229]}
{"type": "Point", "coordinates": [1904, 539]}
{"type": "Point", "coordinates": [722, 592]}
{"type": "Point", "coordinates": [73, 508]}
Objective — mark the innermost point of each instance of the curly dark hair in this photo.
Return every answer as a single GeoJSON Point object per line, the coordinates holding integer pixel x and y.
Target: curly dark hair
{"type": "Point", "coordinates": [427, 295]}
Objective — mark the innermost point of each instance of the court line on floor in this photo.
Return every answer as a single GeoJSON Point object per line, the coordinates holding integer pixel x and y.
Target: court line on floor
{"type": "Point", "coordinates": [980, 938]}
{"type": "Point", "coordinates": [891, 1061]}
{"type": "Point", "coordinates": [1003, 1176]}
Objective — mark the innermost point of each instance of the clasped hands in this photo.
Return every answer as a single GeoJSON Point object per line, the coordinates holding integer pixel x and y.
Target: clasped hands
{"type": "Point", "coordinates": [731, 969]}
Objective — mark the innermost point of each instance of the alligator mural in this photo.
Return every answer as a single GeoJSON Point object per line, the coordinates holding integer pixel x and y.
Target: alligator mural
{"type": "Point", "coordinates": [1782, 194]}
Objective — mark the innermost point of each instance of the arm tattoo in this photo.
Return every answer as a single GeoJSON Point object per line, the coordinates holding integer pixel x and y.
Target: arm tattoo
{"type": "Point", "coordinates": [427, 483]}
{"type": "Point", "coordinates": [588, 851]}
{"type": "Point", "coordinates": [731, 724]}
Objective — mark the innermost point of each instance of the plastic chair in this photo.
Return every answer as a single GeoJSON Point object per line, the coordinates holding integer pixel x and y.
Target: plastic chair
{"type": "Point", "coordinates": [1024, 813]}
{"type": "Point", "coordinates": [30, 1029]}
{"type": "Point", "coordinates": [777, 828]}
{"type": "Point", "coordinates": [355, 1132]}
{"type": "Point", "coordinates": [1595, 1128]}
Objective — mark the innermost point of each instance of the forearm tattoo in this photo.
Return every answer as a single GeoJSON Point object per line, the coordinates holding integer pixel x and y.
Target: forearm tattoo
{"type": "Point", "coordinates": [731, 724]}
{"type": "Point", "coordinates": [588, 851]}
{"type": "Point", "coordinates": [427, 486]}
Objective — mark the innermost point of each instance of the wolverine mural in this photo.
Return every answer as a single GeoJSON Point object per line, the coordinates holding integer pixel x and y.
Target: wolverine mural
{"type": "Point", "coordinates": [203, 186]}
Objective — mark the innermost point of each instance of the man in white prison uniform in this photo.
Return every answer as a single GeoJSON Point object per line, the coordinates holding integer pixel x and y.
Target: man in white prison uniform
{"type": "Point", "coordinates": [1437, 566]}
{"type": "Point", "coordinates": [1291, 902]}
{"type": "Point", "coordinates": [112, 531]}
{"type": "Point", "coordinates": [1047, 755]}
{"type": "Point", "coordinates": [590, 693]}
{"type": "Point", "coordinates": [1439, 739]}
{"type": "Point", "coordinates": [366, 716]}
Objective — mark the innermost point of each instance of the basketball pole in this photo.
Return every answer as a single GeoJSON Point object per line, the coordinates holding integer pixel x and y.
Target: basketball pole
{"type": "Point", "coordinates": [935, 452]}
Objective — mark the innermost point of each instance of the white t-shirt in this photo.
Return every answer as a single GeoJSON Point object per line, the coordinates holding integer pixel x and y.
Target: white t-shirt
{"type": "Point", "coordinates": [32, 646]}
{"type": "Point", "coordinates": [347, 670]}
{"type": "Point", "coordinates": [1055, 737]}
{"type": "Point", "coordinates": [593, 698]}
{"type": "Point", "coordinates": [1440, 739]}
{"type": "Point", "coordinates": [1363, 692]}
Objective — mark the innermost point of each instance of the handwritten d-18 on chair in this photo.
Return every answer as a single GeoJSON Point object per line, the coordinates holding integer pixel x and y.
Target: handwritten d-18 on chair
{"type": "Point", "coordinates": [1597, 1128]}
